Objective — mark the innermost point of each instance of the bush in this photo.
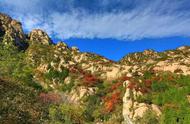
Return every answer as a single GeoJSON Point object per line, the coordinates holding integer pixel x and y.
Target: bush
{"type": "Point", "coordinates": [90, 80]}
{"type": "Point", "coordinates": [13, 65]}
{"type": "Point", "coordinates": [20, 105]}
{"type": "Point", "coordinates": [66, 114]}
{"type": "Point", "coordinates": [40, 53]}
{"type": "Point", "coordinates": [172, 116]}
{"type": "Point", "coordinates": [147, 75]}
{"type": "Point", "coordinates": [112, 101]}
{"type": "Point", "coordinates": [183, 80]}
{"type": "Point", "coordinates": [159, 86]}
{"type": "Point", "coordinates": [146, 98]}
{"type": "Point", "coordinates": [149, 118]}
{"type": "Point", "coordinates": [91, 108]}
{"type": "Point", "coordinates": [54, 74]}
{"type": "Point", "coordinates": [67, 87]}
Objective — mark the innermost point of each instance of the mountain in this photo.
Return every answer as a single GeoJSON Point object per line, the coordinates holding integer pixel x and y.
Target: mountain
{"type": "Point", "coordinates": [43, 82]}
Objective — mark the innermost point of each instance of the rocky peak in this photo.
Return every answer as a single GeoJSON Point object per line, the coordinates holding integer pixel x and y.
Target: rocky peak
{"type": "Point", "coordinates": [183, 48]}
{"type": "Point", "coordinates": [149, 52]}
{"type": "Point", "coordinates": [37, 35]}
{"type": "Point", "coordinates": [61, 44]}
{"type": "Point", "coordinates": [75, 49]}
{"type": "Point", "coordinates": [11, 31]}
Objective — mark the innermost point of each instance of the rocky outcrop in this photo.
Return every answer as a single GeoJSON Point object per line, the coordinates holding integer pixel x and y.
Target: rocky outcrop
{"type": "Point", "coordinates": [133, 110]}
{"type": "Point", "coordinates": [172, 67]}
{"type": "Point", "coordinates": [11, 31]}
{"type": "Point", "coordinates": [39, 36]}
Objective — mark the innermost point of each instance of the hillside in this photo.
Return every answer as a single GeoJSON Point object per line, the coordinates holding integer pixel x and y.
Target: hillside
{"type": "Point", "coordinates": [43, 82]}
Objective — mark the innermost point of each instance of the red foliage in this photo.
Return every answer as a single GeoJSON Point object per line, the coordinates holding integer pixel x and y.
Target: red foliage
{"type": "Point", "coordinates": [112, 101]}
{"type": "Point", "coordinates": [109, 106]}
{"type": "Point", "coordinates": [132, 85]}
{"type": "Point", "coordinates": [116, 85]}
{"type": "Point", "coordinates": [90, 80]}
{"type": "Point", "coordinates": [81, 71]}
{"type": "Point", "coordinates": [50, 97]}
{"type": "Point", "coordinates": [125, 78]}
{"type": "Point", "coordinates": [143, 90]}
{"type": "Point", "coordinates": [170, 78]}
{"type": "Point", "coordinates": [148, 83]}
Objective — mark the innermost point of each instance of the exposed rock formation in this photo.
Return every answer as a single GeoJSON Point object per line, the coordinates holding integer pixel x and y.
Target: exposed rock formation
{"type": "Point", "coordinates": [39, 36]}
{"type": "Point", "coordinates": [11, 31]}
{"type": "Point", "coordinates": [132, 110]}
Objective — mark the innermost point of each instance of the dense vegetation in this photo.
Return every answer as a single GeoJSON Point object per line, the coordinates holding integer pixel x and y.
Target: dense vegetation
{"type": "Point", "coordinates": [20, 104]}
{"type": "Point", "coordinates": [169, 91]}
{"type": "Point", "coordinates": [23, 97]}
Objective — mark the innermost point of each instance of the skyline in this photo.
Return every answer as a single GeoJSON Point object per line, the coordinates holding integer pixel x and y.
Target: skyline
{"type": "Point", "coordinates": [108, 28]}
{"type": "Point", "coordinates": [117, 49]}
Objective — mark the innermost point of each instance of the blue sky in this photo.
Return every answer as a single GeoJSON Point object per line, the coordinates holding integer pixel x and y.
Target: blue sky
{"type": "Point", "coordinates": [111, 28]}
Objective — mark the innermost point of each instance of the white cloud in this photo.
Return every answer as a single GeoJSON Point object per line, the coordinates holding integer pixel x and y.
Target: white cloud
{"type": "Point", "coordinates": [156, 20]}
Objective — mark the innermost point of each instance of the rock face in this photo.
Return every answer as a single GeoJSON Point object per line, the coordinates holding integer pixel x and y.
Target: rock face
{"type": "Point", "coordinates": [132, 110]}
{"type": "Point", "coordinates": [11, 31]}
{"type": "Point", "coordinates": [39, 36]}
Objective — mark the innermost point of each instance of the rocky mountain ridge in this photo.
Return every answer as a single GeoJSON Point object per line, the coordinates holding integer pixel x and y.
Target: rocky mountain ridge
{"type": "Point", "coordinates": [109, 92]}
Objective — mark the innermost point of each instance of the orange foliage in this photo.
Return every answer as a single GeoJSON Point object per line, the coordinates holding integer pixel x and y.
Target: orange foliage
{"type": "Point", "coordinates": [131, 85]}
{"type": "Point", "coordinates": [112, 101]}
{"type": "Point", "coordinates": [116, 85]}
{"type": "Point", "coordinates": [148, 83]}
{"type": "Point", "coordinates": [90, 80]}
{"type": "Point", "coordinates": [125, 78]}
{"type": "Point", "coordinates": [143, 90]}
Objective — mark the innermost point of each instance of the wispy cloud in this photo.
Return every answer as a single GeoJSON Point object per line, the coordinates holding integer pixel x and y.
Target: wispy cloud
{"type": "Point", "coordinates": [128, 20]}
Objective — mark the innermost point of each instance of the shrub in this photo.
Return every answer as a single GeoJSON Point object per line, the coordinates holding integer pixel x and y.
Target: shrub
{"type": "Point", "coordinates": [132, 85]}
{"type": "Point", "coordinates": [159, 86]}
{"type": "Point", "coordinates": [14, 66]}
{"type": "Point", "coordinates": [92, 108]}
{"type": "Point", "coordinates": [53, 74]}
{"type": "Point", "coordinates": [90, 80]}
{"type": "Point", "coordinates": [125, 78]}
{"type": "Point", "coordinates": [146, 98]}
{"type": "Point", "coordinates": [147, 74]}
{"type": "Point", "coordinates": [183, 80]}
{"type": "Point", "coordinates": [116, 86]}
{"type": "Point", "coordinates": [110, 102]}
{"type": "Point", "coordinates": [68, 87]}
{"type": "Point", "coordinates": [66, 114]}
{"type": "Point", "coordinates": [149, 118]}
{"type": "Point", "coordinates": [40, 53]}
{"type": "Point", "coordinates": [35, 85]}
{"type": "Point", "coordinates": [20, 104]}
{"type": "Point", "coordinates": [172, 116]}
{"type": "Point", "coordinates": [148, 83]}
